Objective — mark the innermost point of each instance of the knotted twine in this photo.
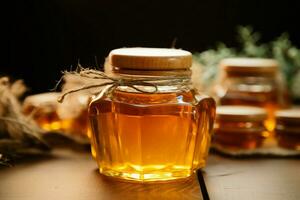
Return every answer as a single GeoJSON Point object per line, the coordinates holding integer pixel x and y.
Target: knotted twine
{"type": "Point", "coordinates": [110, 83]}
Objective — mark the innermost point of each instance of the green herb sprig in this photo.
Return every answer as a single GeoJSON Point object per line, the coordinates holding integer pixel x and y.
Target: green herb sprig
{"type": "Point", "coordinates": [280, 49]}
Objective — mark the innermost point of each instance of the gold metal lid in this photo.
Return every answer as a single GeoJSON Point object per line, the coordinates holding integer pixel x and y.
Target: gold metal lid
{"type": "Point", "coordinates": [250, 65]}
{"type": "Point", "coordinates": [151, 59]}
{"type": "Point", "coordinates": [241, 113]}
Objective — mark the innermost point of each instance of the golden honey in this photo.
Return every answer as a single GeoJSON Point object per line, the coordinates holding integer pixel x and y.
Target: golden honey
{"type": "Point", "coordinates": [157, 136]}
{"type": "Point", "coordinates": [252, 82]}
{"type": "Point", "coordinates": [240, 127]}
{"type": "Point", "coordinates": [43, 108]}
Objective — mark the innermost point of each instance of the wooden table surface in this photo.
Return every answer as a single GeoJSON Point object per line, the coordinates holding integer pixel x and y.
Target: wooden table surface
{"type": "Point", "coordinates": [67, 175]}
{"type": "Point", "coordinates": [253, 178]}
{"type": "Point", "coordinates": [70, 176]}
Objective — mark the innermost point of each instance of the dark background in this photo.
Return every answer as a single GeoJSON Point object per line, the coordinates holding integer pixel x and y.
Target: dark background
{"type": "Point", "coordinates": [41, 37]}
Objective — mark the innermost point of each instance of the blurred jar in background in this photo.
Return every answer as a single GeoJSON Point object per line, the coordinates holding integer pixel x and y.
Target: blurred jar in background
{"type": "Point", "coordinates": [253, 82]}
{"type": "Point", "coordinates": [73, 112]}
{"type": "Point", "coordinates": [70, 117]}
{"type": "Point", "coordinates": [43, 109]}
{"type": "Point", "coordinates": [239, 127]}
{"type": "Point", "coordinates": [288, 128]}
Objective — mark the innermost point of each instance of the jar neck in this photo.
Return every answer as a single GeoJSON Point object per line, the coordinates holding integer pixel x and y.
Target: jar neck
{"type": "Point", "coordinates": [161, 81]}
{"type": "Point", "coordinates": [150, 73]}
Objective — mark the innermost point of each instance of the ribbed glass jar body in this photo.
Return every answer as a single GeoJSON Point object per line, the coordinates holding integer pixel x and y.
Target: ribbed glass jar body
{"type": "Point", "coordinates": [151, 136]}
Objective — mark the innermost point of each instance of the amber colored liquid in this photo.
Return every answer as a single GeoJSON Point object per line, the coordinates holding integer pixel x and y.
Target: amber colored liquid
{"type": "Point", "coordinates": [239, 135]}
{"type": "Point", "coordinates": [238, 141]}
{"type": "Point", "coordinates": [288, 136]}
{"type": "Point", "coordinates": [78, 125]}
{"type": "Point", "coordinates": [151, 137]}
{"type": "Point", "coordinates": [49, 120]}
{"type": "Point", "coordinates": [267, 100]}
{"type": "Point", "coordinates": [288, 140]}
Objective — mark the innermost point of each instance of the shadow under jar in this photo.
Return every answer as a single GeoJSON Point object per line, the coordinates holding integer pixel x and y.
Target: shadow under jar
{"type": "Point", "coordinates": [252, 82]}
{"type": "Point", "coordinates": [239, 127]}
{"type": "Point", "coordinates": [288, 128]}
{"type": "Point", "coordinates": [142, 135]}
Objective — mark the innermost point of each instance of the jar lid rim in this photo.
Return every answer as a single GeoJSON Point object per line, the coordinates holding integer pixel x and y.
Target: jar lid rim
{"type": "Point", "coordinates": [150, 52]}
{"type": "Point", "coordinates": [249, 62]}
{"type": "Point", "coordinates": [140, 58]}
{"type": "Point", "coordinates": [293, 113]}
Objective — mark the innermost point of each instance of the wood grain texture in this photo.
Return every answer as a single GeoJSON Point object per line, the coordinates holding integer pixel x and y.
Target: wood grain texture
{"type": "Point", "coordinates": [252, 178]}
{"type": "Point", "coordinates": [70, 176]}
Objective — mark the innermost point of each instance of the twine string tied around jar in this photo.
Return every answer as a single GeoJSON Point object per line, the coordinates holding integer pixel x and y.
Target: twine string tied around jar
{"type": "Point", "coordinates": [114, 82]}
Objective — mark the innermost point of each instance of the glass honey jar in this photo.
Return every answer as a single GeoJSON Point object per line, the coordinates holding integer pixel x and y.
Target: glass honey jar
{"type": "Point", "coordinates": [288, 128]}
{"type": "Point", "coordinates": [143, 135]}
{"type": "Point", "coordinates": [43, 109]}
{"type": "Point", "coordinates": [47, 112]}
{"type": "Point", "coordinates": [239, 127]}
{"type": "Point", "coordinates": [252, 82]}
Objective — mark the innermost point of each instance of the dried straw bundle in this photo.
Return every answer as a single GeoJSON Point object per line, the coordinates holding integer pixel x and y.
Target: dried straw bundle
{"type": "Point", "coordinates": [18, 134]}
